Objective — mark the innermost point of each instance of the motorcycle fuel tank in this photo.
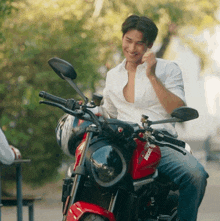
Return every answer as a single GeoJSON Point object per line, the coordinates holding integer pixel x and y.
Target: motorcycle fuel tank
{"type": "Point", "coordinates": [145, 160]}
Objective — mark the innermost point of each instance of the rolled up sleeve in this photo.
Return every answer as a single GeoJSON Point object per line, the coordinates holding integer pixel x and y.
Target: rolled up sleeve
{"type": "Point", "coordinates": [174, 81]}
{"type": "Point", "coordinates": [7, 156]}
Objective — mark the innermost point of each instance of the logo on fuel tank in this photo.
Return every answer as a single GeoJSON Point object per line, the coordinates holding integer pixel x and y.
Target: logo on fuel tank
{"type": "Point", "coordinates": [147, 155]}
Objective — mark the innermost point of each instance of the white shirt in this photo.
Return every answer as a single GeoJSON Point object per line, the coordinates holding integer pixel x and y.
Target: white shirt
{"type": "Point", "coordinates": [146, 101]}
{"type": "Point", "coordinates": [7, 156]}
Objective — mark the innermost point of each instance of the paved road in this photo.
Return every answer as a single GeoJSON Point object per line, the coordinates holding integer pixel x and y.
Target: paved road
{"type": "Point", "coordinates": [50, 208]}
{"type": "Point", "coordinates": [210, 207]}
{"type": "Point", "coordinates": [47, 210]}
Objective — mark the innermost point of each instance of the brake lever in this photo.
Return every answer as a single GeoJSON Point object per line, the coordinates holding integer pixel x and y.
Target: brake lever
{"type": "Point", "coordinates": [66, 110]}
{"type": "Point", "coordinates": [169, 145]}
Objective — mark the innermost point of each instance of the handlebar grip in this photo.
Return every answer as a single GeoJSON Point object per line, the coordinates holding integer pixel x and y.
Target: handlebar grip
{"type": "Point", "coordinates": [169, 139]}
{"type": "Point", "coordinates": [53, 98]}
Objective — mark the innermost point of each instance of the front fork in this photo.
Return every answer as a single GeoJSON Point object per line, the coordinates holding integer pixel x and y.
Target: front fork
{"type": "Point", "coordinates": [79, 170]}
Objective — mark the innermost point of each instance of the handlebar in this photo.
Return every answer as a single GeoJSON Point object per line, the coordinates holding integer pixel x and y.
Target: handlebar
{"type": "Point", "coordinates": [162, 137]}
{"type": "Point", "coordinates": [171, 146]}
{"type": "Point", "coordinates": [53, 98]}
{"type": "Point", "coordinates": [69, 103]}
{"type": "Point", "coordinates": [69, 106]}
{"type": "Point", "coordinates": [162, 140]}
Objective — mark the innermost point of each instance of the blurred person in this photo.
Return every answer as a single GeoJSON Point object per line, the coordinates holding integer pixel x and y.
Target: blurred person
{"type": "Point", "coordinates": [212, 146]}
{"type": "Point", "coordinates": [144, 84]}
{"type": "Point", "coordinates": [8, 153]}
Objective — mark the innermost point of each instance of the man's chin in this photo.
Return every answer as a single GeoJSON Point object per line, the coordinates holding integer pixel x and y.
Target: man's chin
{"type": "Point", "coordinates": [133, 60]}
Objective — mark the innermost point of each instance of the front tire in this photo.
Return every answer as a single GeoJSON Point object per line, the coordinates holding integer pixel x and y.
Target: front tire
{"type": "Point", "coordinates": [92, 217]}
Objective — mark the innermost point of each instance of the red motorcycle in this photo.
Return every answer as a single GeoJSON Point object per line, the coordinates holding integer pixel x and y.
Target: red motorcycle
{"type": "Point", "coordinates": [115, 174]}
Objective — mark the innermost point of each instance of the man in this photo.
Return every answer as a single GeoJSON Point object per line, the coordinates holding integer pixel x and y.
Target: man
{"type": "Point", "coordinates": [8, 153]}
{"type": "Point", "coordinates": [143, 84]}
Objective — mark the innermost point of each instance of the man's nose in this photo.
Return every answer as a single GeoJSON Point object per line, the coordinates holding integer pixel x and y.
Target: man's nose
{"type": "Point", "coordinates": [132, 47]}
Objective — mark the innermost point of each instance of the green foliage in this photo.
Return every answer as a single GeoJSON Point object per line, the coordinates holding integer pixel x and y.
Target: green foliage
{"type": "Point", "coordinates": [34, 34]}
{"type": "Point", "coordinates": [184, 15]}
{"type": "Point", "coordinates": [6, 7]}
{"type": "Point", "coordinates": [85, 33]}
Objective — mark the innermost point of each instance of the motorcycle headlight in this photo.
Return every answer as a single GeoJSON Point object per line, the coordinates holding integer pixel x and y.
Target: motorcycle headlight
{"type": "Point", "coordinates": [108, 165]}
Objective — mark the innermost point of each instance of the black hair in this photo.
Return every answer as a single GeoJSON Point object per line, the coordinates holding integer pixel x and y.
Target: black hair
{"type": "Point", "coordinates": [142, 24]}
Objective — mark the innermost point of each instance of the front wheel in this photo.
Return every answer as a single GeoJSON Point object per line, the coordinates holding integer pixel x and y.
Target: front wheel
{"type": "Point", "coordinates": [93, 217]}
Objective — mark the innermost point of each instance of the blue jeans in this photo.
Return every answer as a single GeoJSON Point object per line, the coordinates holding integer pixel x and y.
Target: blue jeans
{"type": "Point", "coordinates": [190, 176]}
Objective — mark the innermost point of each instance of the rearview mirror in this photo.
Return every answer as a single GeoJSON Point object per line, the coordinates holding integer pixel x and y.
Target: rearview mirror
{"type": "Point", "coordinates": [66, 71]}
{"type": "Point", "coordinates": [62, 68]}
{"type": "Point", "coordinates": [180, 114]}
{"type": "Point", "coordinates": [185, 113]}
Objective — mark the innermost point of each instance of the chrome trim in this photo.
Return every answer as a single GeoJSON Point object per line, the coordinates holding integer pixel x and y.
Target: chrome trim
{"type": "Point", "coordinates": [139, 183]}
{"type": "Point", "coordinates": [167, 217]}
{"type": "Point", "coordinates": [112, 202]}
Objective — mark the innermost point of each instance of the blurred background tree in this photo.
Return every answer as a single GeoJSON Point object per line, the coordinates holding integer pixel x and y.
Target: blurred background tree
{"type": "Point", "coordinates": [6, 7]}
{"type": "Point", "coordinates": [88, 35]}
{"type": "Point", "coordinates": [183, 19]}
{"type": "Point", "coordinates": [38, 31]}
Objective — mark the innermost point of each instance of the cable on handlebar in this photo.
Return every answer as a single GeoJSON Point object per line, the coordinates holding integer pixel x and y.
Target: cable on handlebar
{"type": "Point", "coordinates": [94, 119]}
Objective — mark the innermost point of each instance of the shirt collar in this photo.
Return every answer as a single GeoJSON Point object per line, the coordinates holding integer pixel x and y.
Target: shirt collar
{"type": "Point", "coordinates": [140, 67]}
{"type": "Point", "coordinates": [122, 65]}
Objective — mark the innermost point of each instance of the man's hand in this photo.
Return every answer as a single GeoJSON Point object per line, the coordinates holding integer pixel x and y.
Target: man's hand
{"type": "Point", "coordinates": [150, 59]}
{"type": "Point", "coordinates": [167, 99]}
{"type": "Point", "coordinates": [16, 152]}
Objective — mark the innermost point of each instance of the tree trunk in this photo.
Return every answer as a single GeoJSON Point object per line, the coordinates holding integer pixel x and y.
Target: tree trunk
{"type": "Point", "coordinates": [166, 40]}
{"type": "Point", "coordinates": [165, 44]}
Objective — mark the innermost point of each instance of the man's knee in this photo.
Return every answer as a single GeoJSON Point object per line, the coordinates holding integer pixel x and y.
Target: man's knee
{"type": "Point", "coordinates": [198, 175]}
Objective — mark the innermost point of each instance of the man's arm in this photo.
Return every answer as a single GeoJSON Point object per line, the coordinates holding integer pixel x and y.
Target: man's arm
{"type": "Point", "coordinates": [167, 99]}
{"type": "Point", "coordinates": [7, 156]}
{"type": "Point", "coordinates": [8, 153]}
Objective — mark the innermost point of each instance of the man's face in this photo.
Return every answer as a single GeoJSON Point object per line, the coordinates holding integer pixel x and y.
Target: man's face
{"type": "Point", "coordinates": [133, 46]}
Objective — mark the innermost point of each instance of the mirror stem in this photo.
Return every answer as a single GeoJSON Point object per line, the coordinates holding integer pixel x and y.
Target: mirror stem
{"type": "Point", "coordinates": [164, 121]}
{"type": "Point", "coordinates": [76, 88]}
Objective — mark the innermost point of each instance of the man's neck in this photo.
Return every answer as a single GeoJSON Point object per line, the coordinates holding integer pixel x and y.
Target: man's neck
{"type": "Point", "coordinates": [131, 66]}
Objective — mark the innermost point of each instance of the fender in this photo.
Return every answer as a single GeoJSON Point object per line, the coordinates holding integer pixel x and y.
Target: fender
{"type": "Point", "coordinates": [79, 208]}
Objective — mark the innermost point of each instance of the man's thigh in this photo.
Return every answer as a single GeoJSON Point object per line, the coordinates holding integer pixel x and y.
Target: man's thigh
{"type": "Point", "coordinates": [175, 165]}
